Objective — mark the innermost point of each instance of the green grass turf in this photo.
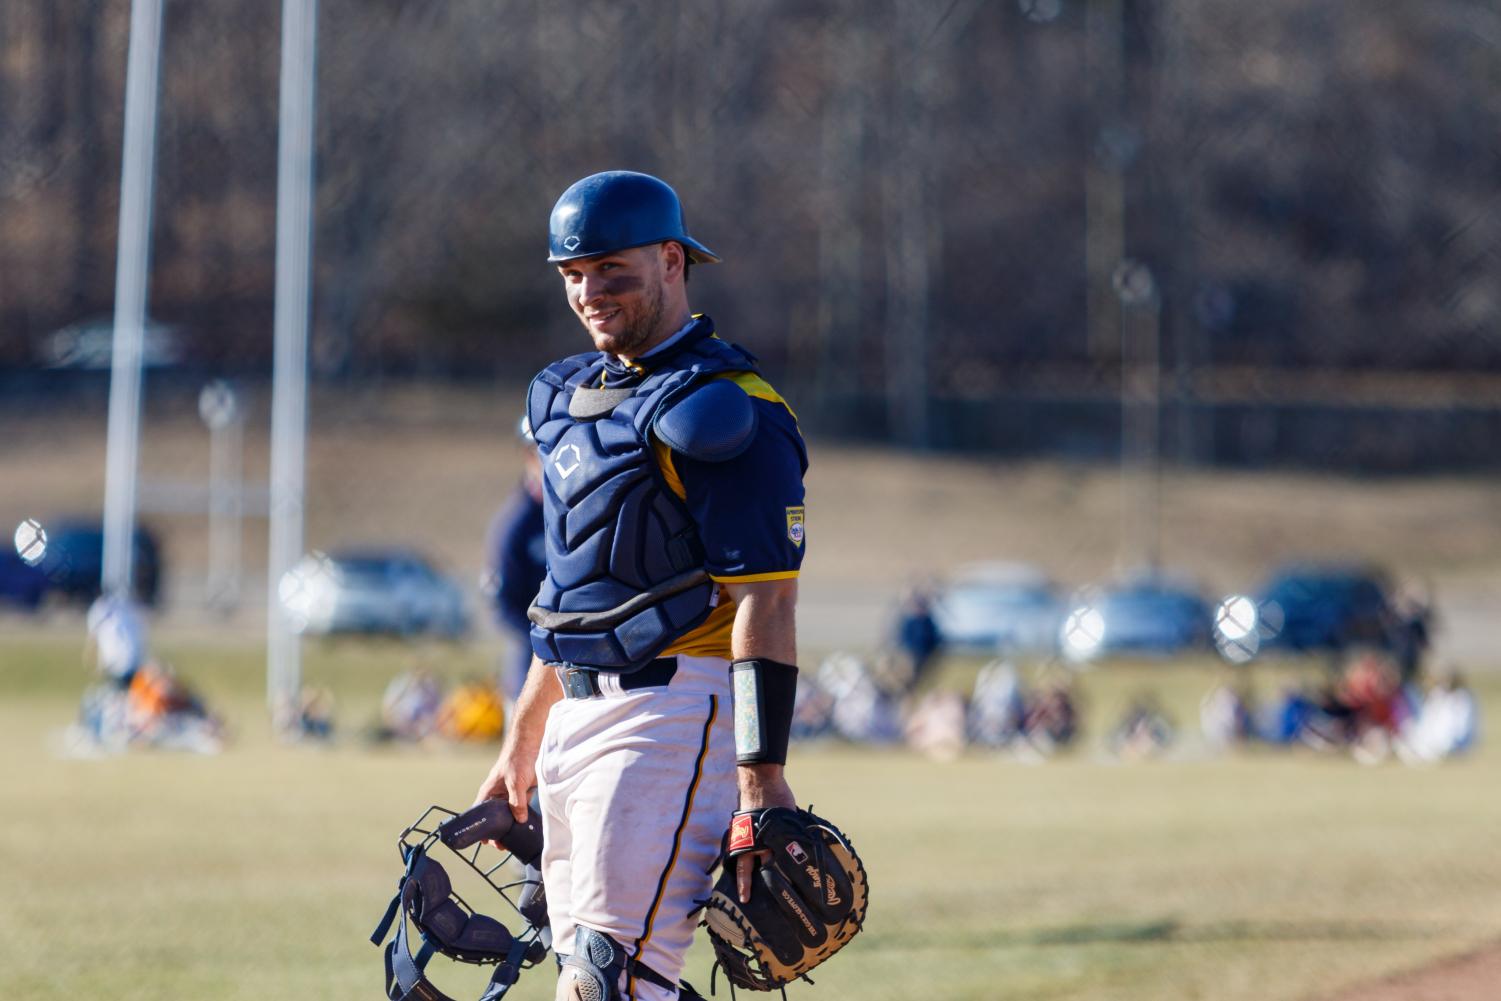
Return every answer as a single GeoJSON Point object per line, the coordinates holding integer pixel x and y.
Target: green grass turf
{"type": "Point", "coordinates": [260, 873]}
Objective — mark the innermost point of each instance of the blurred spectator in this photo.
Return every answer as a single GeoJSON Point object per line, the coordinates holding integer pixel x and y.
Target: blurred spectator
{"type": "Point", "coordinates": [1411, 633]}
{"type": "Point", "coordinates": [141, 702]}
{"type": "Point", "coordinates": [862, 711]}
{"type": "Point", "coordinates": [1371, 692]}
{"type": "Point", "coordinates": [1447, 724]}
{"type": "Point", "coordinates": [409, 706]}
{"type": "Point", "coordinates": [117, 638]}
{"type": "Point", "coordinates": [997, 707]}
{"type": "Point", "coordinates": [156, 691]}
{"type": "Point", "coordinates": [516, 563]}
{"type": "Point", "coordinates": [1332, 722]}
{"type": "Point", "coordinates": [935, 726]}
{"type": "Point", "coordinates": [1052, 719]}
{"type": "Point", "coordinates": [917, 636]}
{"type": "Point", "coordinates": [1360, 710]}
{"type": "Point", "coordinates": [155, 708]}
{"type": "Point", "coordinates": [1225, 716]}
{"type": "Point", "coordinates": [474, 712]}
{"type": "Point", "coordinates": [315, 714]}
{"type": "Point", "coordinates": [1144, 730]}
{"type": "Point", "coordinates": [1285, 721]}
{"type": "Point", "coordinates": [164, 711]}
{"type": "Point", "coordinates": [813, 709]}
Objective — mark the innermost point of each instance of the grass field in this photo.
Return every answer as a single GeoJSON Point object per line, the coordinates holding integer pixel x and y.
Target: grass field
{"type": "Point", "coordinates": [260, 873]}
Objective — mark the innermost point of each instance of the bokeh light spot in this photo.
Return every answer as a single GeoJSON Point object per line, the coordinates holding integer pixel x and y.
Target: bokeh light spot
{"type": "Point", "coordinates": [31, 541]}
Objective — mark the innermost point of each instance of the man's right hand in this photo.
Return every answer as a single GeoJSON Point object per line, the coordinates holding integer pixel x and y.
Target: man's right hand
{"type": "Point", "coordinates": [512, 778]}
{"type": "Point", "coordinates": [514, 774]}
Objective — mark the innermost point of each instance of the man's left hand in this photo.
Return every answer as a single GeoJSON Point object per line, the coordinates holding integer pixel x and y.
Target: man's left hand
{"type": "Point", "coordinates": [760, 786]}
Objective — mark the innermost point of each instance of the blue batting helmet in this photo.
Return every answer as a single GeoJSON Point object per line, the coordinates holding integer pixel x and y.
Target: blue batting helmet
{"type": "Point", "coordinates": [617, 210]}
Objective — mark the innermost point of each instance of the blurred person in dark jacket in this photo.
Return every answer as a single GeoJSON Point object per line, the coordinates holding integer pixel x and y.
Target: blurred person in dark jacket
{"type": "Point", "coordinates": [515, 564]}
{"type": "Point", "coordinates": [1411, 633]}
{"type": "Point", "coordinates": [917, 636]}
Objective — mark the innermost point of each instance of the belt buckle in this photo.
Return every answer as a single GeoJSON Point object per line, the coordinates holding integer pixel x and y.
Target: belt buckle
{"type": "Point", "coordinates": [579, 684]}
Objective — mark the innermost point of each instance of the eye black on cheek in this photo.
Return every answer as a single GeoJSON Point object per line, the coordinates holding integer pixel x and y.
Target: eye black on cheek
{"type": "Point", "coordinates": [622, 284]}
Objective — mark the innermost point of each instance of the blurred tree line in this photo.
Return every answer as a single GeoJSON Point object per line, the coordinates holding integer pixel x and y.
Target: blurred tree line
{"type": "Point", "coordinates": [916, 201]}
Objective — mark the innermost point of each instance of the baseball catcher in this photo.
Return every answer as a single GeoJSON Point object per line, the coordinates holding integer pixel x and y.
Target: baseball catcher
{"type": "Point", "coordinates": [807, 899]}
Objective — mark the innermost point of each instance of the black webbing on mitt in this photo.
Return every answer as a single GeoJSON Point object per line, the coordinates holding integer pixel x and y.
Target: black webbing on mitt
{"type": "Point", "coordinates": [807, 898]}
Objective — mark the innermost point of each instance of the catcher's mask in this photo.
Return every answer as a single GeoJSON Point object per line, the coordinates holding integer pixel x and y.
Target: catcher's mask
{"type": "Point", "coordinates": [448, 924]}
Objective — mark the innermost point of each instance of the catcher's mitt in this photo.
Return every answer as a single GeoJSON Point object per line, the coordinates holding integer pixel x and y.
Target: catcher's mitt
{"type": "Point", "coordinates": [807, 899]}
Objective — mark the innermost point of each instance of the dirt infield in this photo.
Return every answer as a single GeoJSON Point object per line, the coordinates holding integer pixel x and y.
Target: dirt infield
{"type": "Point", "coordinates": [1474, 976]}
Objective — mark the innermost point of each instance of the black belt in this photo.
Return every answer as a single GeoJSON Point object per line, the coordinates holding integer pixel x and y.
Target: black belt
{"type": "Point", "coordinates": [583, 683]}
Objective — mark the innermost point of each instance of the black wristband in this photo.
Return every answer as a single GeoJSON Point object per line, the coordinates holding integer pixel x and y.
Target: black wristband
{"type": "Point", "coordinates": [765, 692]}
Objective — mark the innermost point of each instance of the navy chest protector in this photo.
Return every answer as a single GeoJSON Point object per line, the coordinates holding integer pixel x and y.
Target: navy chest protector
{"type": "Point", "coordinates": [445, 922]}
{"type": "Point", "coordinates": [625, 565]}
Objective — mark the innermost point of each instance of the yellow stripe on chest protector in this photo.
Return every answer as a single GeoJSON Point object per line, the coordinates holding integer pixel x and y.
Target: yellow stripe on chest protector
{"type": "Point", "coordinates": [677, 844]}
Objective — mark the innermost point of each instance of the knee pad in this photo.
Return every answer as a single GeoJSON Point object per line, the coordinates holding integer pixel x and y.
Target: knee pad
{"type": "Point", "coordinates": [592, 972]}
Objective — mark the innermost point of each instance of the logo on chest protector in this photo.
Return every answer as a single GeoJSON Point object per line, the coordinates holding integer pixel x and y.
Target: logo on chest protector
{"type": "Point", "coordinates": [564, 464]}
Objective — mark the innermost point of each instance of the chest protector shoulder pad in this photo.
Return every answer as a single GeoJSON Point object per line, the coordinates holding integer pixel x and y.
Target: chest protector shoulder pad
{"type": "Point", "coordinates": [625, 565]}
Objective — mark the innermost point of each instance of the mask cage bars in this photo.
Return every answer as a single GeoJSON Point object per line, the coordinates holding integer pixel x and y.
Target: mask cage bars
{"type": "Point", "coordinates": [423, 834]}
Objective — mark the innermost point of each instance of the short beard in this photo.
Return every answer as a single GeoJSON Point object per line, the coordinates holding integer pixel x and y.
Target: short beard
{"type": "Point", "coordinates": [642, 327]}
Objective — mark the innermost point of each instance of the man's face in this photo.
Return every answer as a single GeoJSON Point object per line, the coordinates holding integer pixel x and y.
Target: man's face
{"type": "Point", "coordinates": [618, 297]}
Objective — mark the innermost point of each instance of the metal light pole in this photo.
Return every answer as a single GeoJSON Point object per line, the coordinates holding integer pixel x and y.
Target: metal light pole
{"type": "Point", "coordinates": [132, 267]}
{"type": "Point", "coordinates": [913, 236]}
{"type": "Point", "coordinates": [1105, 163]}
{"type": "Point", "coordinates": [294, 246]}
{"type": "Point", "coordinates": [219, 406]}
{"type": "Point", "coordinates": [1141, 378]}
{"type": "Point", "coordinates": [836, 374]}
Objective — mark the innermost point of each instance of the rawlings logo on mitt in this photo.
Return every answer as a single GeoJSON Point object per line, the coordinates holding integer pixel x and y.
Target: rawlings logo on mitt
{"type": "Point", "coordinates": [807, 898]}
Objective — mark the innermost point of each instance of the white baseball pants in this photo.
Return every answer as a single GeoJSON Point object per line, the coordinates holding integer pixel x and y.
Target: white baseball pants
{"type": "Point", "coordinates": [637, 788]}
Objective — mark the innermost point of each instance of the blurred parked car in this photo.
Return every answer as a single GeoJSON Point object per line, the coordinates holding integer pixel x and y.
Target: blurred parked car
{"type": "Point", "coordinates": [90, 344]}
{"type": "Point", "coordinates": [1310, 608]}
{"type": "Point", "coordinates": [21, 584]}
{"type": "Point", "coordinates": [373, 591]}
{"type": "Point", "coordinates": [1154, 616]}
{"type": "Point", "coordinates": [1013, 607]}
{"type": "Point", "coordinates": [72, 561]}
